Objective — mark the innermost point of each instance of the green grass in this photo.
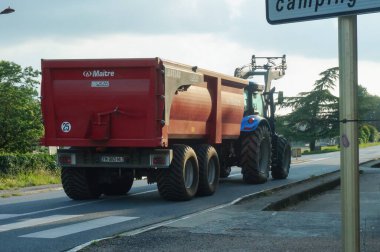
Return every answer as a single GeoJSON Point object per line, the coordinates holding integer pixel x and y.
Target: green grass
{"type": "Point", "coordinates": [327, 149]}
{"type": "Point", "coordinates": [365, 145]}
{"type": "Point", "coordinates": [40, 177]}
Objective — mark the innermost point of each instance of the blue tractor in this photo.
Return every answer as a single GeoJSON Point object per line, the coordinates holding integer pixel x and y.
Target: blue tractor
{"type": "Point", "coordinates": [260, 150]}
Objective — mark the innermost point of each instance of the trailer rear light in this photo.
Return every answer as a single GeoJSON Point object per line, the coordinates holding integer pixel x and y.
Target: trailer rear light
{"type": "Point", "coordinates": [66, 159]}
{"type": "Point", "coordinates": [161, 158]}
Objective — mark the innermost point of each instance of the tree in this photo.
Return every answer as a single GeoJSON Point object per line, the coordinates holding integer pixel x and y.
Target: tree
{"type": "Point", "coordinates": [369, 107]}
{"type": "Point", "coordinates": [315, 114]}
{"type": "Point", "coordinates": [20, 115]}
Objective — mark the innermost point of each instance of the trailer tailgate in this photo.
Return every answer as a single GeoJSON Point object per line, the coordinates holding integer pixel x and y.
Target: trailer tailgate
{"type": "Point", "coordinates": [111, 103]}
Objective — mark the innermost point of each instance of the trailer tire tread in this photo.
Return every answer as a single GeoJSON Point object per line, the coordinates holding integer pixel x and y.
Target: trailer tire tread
{"type": "Point", "coordinates": [206, 154]}
{"type": "Point", "coordinates": [171, 182]}
{"type": "Point", "coordinates": [78, 185]}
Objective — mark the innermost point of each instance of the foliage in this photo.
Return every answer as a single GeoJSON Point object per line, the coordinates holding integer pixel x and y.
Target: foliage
{"type": "Point", "coordinates": [315, 113]}
{"type": "Point", "coordinates": [20, 115]}
{"type": "Point", "coordinates": [327, 149]}
{"type": "Point", "coordinates": [323, 150]}
{"type": "Point", "coordinates": [31, 178]}
{"type": "Point", "coordinates": [367, 134]}
{"type": "Point", "coordinates": [14, 163]}
{"type": "Point", "coordinates": [21, 170]}
{"type": "Point", "coordinates": [369, 107]}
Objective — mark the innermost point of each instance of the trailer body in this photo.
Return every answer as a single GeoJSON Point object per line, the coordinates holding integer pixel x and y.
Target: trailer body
{"type": "Point", "coordinates": [137, 103]}
{"type": "Point", "coordinates": [181, 126]}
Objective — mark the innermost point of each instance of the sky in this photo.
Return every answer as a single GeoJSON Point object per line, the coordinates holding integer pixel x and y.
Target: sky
{"type": "Point", "coordinates": [218, 35]}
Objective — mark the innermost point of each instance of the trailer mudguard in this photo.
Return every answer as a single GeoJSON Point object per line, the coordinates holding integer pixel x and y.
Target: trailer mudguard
{"type": "Point", "coordinates": [251, 122]}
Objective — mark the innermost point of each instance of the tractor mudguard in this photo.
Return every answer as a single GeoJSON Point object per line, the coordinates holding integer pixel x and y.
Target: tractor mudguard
{"type": "Point", "coordinates": [251, 122]}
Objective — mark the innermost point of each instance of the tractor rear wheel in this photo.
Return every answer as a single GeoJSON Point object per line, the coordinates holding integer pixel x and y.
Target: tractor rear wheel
{"type": "Point", "coordinates": [281, 162]}
{"type": "Point", "coordinates": [80, 183]}
{"type": "Point", "coordinates": [208, 169]}
{"type": "Point", "coordinates": [256, 156]}
{"type": "Point", "coordinates": [180, 181]}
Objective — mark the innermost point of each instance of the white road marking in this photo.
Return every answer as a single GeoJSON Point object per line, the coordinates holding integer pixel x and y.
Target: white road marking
{"type": "Point", "coordinates": [64, 207]}
{"type": "Point", "coordinates": [35, 222]}
{"type": "Point", "coordinates": [79, 227]}
{"type": "Point", "coordinates": [7, 216]}
{"type": "Point", "coordinates": [57, 208]}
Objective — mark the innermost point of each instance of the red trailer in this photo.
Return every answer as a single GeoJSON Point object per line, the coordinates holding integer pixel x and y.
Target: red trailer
{"type": "Point", "coordinates": [115, 120]}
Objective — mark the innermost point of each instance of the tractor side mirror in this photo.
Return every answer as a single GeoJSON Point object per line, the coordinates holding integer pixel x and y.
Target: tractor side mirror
{"type": "Point", "coordinates": [280, 98]}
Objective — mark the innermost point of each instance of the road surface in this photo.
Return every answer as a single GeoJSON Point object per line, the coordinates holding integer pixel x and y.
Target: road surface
{"type": "Point", "coordinates": [50, 221]}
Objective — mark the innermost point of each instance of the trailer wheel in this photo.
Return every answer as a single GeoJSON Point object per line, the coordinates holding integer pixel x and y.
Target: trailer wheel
{"type": "Point", "coordinates": [180, 180]}
{"type": "Point", "coordinates": [281, 160]}
{"type": "Point", "coordinates": [119, 186]}
{"type": "Point", "coordinates": [209, 169]}
{"type": "Point", "coordinates": [256, 156]}
{"type": "Point", "coordinates": [79, 183]}
{"type": "Point", "coordinates": [225, 171]}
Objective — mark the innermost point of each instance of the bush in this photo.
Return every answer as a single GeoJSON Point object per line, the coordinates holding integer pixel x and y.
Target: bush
{"type": "Point", "coordinates": [364, 134]}
{"type": "Point", "coordinates": [373, 134]}
{"type": "Point", "coordinates": [367, 133]}
{"type": "Point", "coordinates": [14, 163]}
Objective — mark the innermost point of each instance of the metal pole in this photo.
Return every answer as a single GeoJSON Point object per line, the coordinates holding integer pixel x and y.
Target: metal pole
{"type": "Point", "coordinates": [348, 85]}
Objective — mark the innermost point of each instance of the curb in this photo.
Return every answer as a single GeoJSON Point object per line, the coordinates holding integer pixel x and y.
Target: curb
{"type": "Point", "coordinates": [29, 190]}
{"type": "Point", "coordinates": [315, 187]}
{"type": "Point", "coordinates": [267, 192]}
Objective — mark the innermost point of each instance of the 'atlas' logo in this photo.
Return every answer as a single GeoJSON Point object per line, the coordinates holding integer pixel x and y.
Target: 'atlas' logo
{"type": "Point", "coordinates": [98, 73]}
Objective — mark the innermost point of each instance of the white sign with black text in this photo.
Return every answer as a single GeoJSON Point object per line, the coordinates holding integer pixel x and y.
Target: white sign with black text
{"type": "Point", "coordinates": [287, 11]}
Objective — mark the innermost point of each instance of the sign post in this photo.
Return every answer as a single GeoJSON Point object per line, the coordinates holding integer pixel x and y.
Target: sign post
{"type": "Point", "coordinates": [348, 112]}
{"type": "Point", "coordinates": [287, 11]}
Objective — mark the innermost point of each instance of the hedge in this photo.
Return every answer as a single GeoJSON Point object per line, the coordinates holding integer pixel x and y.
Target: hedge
{"type": "Point", "coordinates": [13, 164]}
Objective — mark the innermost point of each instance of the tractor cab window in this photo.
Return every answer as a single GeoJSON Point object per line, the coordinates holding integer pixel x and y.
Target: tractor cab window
{"type": "Point", "coordinates": [253, 104]}
{"type": "Point", "coordinates": [257, 104]}
{"type": "Point", "coordinates": [246, 102]}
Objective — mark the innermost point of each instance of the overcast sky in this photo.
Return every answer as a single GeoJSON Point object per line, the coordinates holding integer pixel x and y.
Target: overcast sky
{"type": "Point", "coordinates": [219, 35]}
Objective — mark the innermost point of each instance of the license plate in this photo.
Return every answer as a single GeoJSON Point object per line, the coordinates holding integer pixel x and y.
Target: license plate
{"type": "Point", "coordinates": [112, 159]}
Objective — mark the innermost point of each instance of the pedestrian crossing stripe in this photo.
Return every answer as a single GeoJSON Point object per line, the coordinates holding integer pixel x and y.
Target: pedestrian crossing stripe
{"type": "Point", "coordinates": [7, 216]}
{"type": "Point", "coordinates": [78, 227]}
{"type": "Point", "coordinates": [35, 222]}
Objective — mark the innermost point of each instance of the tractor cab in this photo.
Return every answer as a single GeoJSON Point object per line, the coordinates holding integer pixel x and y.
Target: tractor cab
{"type": "Point", "coordinates": [259, 98]}
{"type": "Point", "coordinates": [254, 100]}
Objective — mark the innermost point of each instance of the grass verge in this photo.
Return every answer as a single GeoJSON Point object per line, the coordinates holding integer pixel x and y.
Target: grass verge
{"type": "Point", "coordinates": [33, 178]}
{"type": "Point", "coordinates": [327, 149]}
